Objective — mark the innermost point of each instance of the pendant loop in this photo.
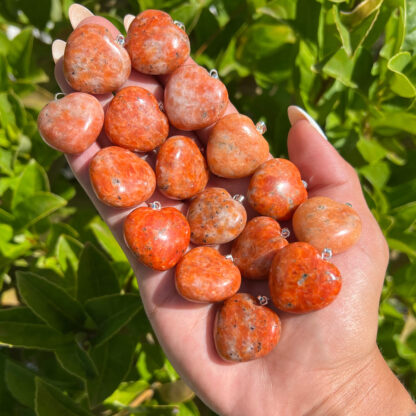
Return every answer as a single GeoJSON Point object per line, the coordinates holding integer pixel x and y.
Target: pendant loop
{"type": "Point", "coordinates": [326, 254]}
{"type": "Point", "coordinates": [263, 300]}
{"type": "Point", "coordinates": [59, 95]}
{"type": "Point", "coordinates": [261, 127]}
{"type": "Point", "coordinates": [285, 232]}
{"type": "Point", "coordinates": [120, 40]}
{"type": "Point", "coordinates": [214, 73]}
{"type": "Point", "coordinates": [179, 24]}
{"type": "Point", "coordinates": [239, 198]}
{"type": "Point", "coordinates": [156, 205]}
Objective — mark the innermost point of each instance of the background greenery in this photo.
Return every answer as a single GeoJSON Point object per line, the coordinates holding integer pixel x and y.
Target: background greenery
{"type": "Point", "coordinates": [71, 347]}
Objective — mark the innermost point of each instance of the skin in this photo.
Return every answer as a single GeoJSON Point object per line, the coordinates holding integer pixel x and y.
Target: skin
{"type": "Point", "coordinates": [327, 362]}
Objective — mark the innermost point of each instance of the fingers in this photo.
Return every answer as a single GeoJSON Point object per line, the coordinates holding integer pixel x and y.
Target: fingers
{"type": "Point", "coordinates": [328, 174]}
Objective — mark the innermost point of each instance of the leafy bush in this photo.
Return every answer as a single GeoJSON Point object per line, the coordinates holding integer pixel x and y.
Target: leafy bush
{"type": "Point", "coordinates": [76, 348]}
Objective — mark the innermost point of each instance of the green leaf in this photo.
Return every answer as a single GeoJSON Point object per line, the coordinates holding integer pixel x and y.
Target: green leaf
{"type": "Point", "coordinates": [361, 12]}
{"type": "Point", "coordinates": [50, 401]}
{"type": "Point", "coordinates": [410, 37]}
{"type": "Point", "coordinates": [376, 173]}
{"type": "Point", "coordinates": [33, 179]}
{"type": "Point", "coordinates": [30, 335]}
{"type": "Point", "coordinates": [126, 392]}
{"type": "Point", "coordinates": [36, 207]}
{"type": "Point", "coordinates": [95, 275]}
{"type": "Point", "coordinates": [400, 83]}
{"type": "Point", "coordinates": [262, 40]}
{"type": "Point", "coordinates": [20, 53]}
{"type": "Point", "coordinates": [50, 302]}
{"type": "Point", "coordinates": [68, 251]}
{"type": "Point", "coordinates": [175, 392]}
{"type": "Point", "coordinates": [353, 38]}
{"type": "Point", "coordinates": [74, 359]}
{"type": "Point", "coordinates": [279, 9]}
{"type": "Point", "coordinates": [21, 383]}
{"type": "Point", "coordinates": [394, 121]}
{"type": "Point", "coordinates": [113, 360]}
{"type": "Point", "coordinates": [394, 31]}
{"type": "Point", "coordinates": [106, 239]}
{"type": "Point", "coordinates": [111, 313]}
{"type": "Point", "coordinates": [371, 150]}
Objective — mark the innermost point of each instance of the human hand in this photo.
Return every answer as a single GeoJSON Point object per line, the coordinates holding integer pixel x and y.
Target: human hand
{"type": "Point", "coordinates": [326, 362]}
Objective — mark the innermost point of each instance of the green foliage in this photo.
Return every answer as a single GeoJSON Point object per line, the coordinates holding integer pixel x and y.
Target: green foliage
{"type": "Point", "coordinates": [75, 339]}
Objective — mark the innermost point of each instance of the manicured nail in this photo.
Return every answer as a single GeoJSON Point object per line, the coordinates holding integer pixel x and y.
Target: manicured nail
{"type": "Point", "coordinates": [128, 18]}
{"type": "Point", "coordinates": [296, 113]}
{"type": "Point", "coordinates": [58, 49]}
{"type": "Point", "coordinates": [77, 14]}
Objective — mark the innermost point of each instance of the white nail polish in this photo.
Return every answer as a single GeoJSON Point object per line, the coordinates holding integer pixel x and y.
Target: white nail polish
{"type": "Point", "coordinates": [296, 113]}
{"type": "Point", "coordinates": [77, 13]}
{"type": "Point", "coordinates": [58, 49]}
{"type": "Point", "coordinates": [128, 19]}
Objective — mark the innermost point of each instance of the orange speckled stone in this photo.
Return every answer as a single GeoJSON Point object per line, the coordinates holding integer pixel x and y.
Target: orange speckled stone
{"type": "Point", "coordinates": [215, 218]}
{"type": "Point", "coordinates": [72, 123]}
{"type": "Point", "coordinates": [94, 62]}
{"type": "Point", "coordinates": [301, 281]}
{"type": "Point", "coordinates": [235, 148]}
{"type": "Point", "coordinates": [276, 189]}
{"type": "Point", "coordinates": [134, 120]}
{"type": "Point", "coordinates": [120, 178]}
{"type": "Point", "coordinates": [158, 238]}
{"type": "Point", "coordinates": [326, 223]}
{"type": "Point", "coordinates": [155, 44]}
{"type": "Point", "coordinates": [194, 99]}
{"type": "Point", "coordinates": [204, 275]}
{"type": "Point", "coordinates": [244, 330]}
{"type": "Point", "coordinates": [255, 247]}
{"type": "Point", "coordinates": [181, 170]}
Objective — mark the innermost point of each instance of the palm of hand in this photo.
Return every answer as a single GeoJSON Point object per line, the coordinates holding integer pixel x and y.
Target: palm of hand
{"type": "Point", "coordinates": [302, 370]}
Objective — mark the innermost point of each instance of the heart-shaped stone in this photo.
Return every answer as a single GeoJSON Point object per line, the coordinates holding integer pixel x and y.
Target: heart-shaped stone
{"type": "Point", "coordinates": [254, 249]}
{"type": "Point", "coordinates": [235, 148]}
{"type": "Point", "coordinates": [244, 330]}
{"type": "Point", "coordinates": [181, 170]}
{"type": "Point", "coordinates": [276, 189]}
{"type": "Point", "coordinates": [194, 99]}
{"type": "Point", "coordinates": [326, 223]}
{"type": "Point", "coordinates": [94, 62]}
{"type": "Point", "coordinates": [301, 281]}
{"type": "Point", "coordinates": [215, 218]}
{"type": "Point", "coordinates": [134, 120]}
{"type": "Point", "coordinates": [120, 178]}
{"type": "Point", "coordinates": [155, 44]}
{"type": "Point", "coordinates": [204, 275]}
{"type": "Point", "coordinates": [158, 237]}
{"type": "Point", "coordinates": [71, 124]}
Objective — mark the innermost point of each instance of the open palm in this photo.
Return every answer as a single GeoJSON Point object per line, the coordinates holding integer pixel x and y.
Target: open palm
{"type": "Point", "coordinates": [303, 371]}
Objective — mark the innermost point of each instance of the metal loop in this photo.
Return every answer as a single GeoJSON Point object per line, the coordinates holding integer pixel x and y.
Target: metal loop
{"type": "Point", "coordinates": [59, 95]}
{"type": "Point", "coordinates": [326, 254]}
{"type": "Point", "coordinates": [156, 205]}
{"type": "Point", "coordinates": [261, 127]}
{"type": "Point", "coordinates": [179, 24]}
{"type": "Point", "coordinates": [239, 198]}
{"type": "Point", "coordinates": [214, 73]}
{"type": "Point", "coordinates": [120, 40]}
{"type": "Point", "coordinates": [263, 300]}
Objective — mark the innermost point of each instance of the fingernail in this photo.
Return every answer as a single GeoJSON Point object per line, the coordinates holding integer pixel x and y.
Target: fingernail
{"type": "Point", "coordinates": [58, 49]}
{"type": "Point", "coordinates": [77, 14]}
{"type": "Point", "coordinates": [296, 113]}
{"type": "Point", "coordinates": [128, 18]}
